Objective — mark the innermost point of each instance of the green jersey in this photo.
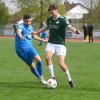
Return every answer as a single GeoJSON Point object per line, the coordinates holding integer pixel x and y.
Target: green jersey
{"type": "Point", "coordinates": [57, 29]}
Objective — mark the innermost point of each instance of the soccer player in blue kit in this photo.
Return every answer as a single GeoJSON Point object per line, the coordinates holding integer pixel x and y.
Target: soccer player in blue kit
{"type": "Point", "coordinates": [25, 50]}
{"type": "Point", "coordinates": [43, 36]}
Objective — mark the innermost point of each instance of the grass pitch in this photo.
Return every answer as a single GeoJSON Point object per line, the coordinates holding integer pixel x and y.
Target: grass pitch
{"type": "Point", "coordinates": [18, 83]}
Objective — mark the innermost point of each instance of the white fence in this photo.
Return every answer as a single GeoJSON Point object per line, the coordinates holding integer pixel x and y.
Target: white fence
{"type": "Point", "coordinates": [7, 30]}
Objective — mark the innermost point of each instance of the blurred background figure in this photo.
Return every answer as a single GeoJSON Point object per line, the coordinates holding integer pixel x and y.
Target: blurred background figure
{"type": "Point", "coordinates": [90, 32]}
{"type": "Point", "coordinates": [20, 21]}
{"type": "Point", "coordinates": [15, 26]}
{"type": "Point", "coordinates": [43, 35]}
{"type": "Point", "coordinates": [42, 24]}
{"type": "Point", "coordinates": [85, 30]}
{"type": "Point", "coordinates": [16, 23]}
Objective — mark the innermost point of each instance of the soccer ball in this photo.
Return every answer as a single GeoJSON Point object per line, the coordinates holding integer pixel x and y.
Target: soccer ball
{"type": "Point", "coordinates": [52, 83]}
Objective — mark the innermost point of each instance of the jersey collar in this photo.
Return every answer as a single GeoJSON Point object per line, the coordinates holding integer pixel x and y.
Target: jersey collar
{"type": "Point", "coordinates": [56, 18]}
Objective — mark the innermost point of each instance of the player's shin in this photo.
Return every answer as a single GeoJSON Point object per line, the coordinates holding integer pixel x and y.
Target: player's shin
{"type": "Point", "coordinates": [35, 72]}
{"type": "Point", "coordinates": [51, 70]}
{"type": "Point", "coordinates": [68, 75]}
{"type": "Point", "coordinates": [40, 68]}
{"type": "Point", "coordinates": [65, 70]}
{"type": "Point", "coordinates": [70, 81]}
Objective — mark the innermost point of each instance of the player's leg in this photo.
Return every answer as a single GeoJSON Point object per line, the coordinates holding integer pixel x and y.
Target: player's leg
{"type": "Point", "coordinates": [34, 70]}
{"type": "Point", "coordinates": [39, 66]}
{"type": "Point", "coordinates": [64, 68]}
{"type": "Point", "coordinates": [92, 37]}
{"type": "Point", "coordinates": [24, 56]}
{"type": "Point", "coordinates": [61, 53]}
{"type": "Point", "coordinates": [89, 38]}
{"type": "Point", "coordinates": [40, 44]}
{"type": "Point", "coordinates": [49, 52]}
{"type": "Point", "coordinates": [49, 56]}
{"type": "Point", "coordinates": [84, 36]}
{"type": "Point", "coordinates": [33, 55]}
{"type": "Point", "coordinates": [28, 57]}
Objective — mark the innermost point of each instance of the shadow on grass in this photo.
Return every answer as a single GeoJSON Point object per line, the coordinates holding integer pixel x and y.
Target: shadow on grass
{"type": "Point", "coordinates": [89, 89]}
{"type": "Point", "coordinates": [20, 85]}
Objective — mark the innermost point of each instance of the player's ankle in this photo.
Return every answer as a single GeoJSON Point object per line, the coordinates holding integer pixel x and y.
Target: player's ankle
{"type": "Point", "coordinates": [43, 81]}
{"type": "Point", "coordinates": [54, 78]}
{"type": "Point", "coordinates": [41, 77]}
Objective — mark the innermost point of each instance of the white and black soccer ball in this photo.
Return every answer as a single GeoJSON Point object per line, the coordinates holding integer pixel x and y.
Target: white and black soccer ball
{"type": "Point", "coordinates": [52, 83]}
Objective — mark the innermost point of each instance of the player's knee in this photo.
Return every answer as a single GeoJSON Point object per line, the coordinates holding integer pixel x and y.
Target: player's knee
{"type": "Point", "coordinates": [61, 64]}
{"type": "Point", "coordinates": [32, 65]}
{"type": "Point", "coordinates": [48, 60]}
{"type": "Point", "coordinates": [37, 58]}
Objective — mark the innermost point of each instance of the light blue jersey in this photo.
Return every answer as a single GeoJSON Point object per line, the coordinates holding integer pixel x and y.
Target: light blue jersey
{"type": "Point", "coordinates": [26, 32]}
{"type": "Point", "coordinates": [24, 48]}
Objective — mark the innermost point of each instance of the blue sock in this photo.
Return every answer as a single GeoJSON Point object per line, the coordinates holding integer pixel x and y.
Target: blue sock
{"type": "Point", "coordinates": [40, 67]}
{"type": "Point", "coordinates": [35, 72]}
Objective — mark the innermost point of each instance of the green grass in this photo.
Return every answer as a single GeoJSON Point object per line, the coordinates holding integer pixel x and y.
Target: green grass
{"type": "Point", "coordinates": [18, 83]}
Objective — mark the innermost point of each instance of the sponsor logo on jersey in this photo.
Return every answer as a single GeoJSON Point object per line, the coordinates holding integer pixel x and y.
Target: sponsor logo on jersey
{"type": "Point", "coordinates": [50, 21]}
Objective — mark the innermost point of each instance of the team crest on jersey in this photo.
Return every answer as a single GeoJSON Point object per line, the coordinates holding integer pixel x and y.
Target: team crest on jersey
{"type": "Point", "coordinates": [57, 22]}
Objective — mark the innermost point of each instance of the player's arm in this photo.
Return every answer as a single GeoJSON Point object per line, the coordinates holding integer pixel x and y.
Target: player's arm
{"type": "Point", "coordinates": [19, 31]}
{"type": "Point", "coordinates": [39, 39]}
{"type": "Point", "coordinates": [69, 26]}
{"type": "Point", "coordinates": [73, 29]}
{"type": "Point", "coordinates": [40, 30]}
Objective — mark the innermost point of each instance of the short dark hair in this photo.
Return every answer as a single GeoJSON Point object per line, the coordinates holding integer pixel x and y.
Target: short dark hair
{"type": "Point", "coordinates": [27, 17]}
{"type": "Point", "coordinates": [52, 7]}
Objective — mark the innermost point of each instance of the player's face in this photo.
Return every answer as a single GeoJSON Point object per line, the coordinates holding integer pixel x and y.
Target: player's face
{"type": "Point", "coordinates": [28, 21]}
{"type": "Point", "coordinates": [53, 13]}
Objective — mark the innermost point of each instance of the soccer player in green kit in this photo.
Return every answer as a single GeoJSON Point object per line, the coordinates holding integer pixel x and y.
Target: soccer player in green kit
{"type": "Point", "coordinates": [57, 25]}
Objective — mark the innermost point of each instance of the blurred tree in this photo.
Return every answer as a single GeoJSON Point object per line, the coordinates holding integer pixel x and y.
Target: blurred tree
{"type": "Point", "coordinates": [93, 6]}
{"type": "Point", "coordinates": [97, 10]}
{"type": "Point", "coordinates": [4, 14]}
{"type": "Point", "coordinates": [38, 8]}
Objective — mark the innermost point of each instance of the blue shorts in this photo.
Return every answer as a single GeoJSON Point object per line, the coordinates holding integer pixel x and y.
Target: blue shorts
{"type": "Point", "coordinates": [27, 54]}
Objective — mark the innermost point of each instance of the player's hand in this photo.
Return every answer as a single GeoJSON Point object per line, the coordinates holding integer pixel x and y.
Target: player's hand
{"type": "Point", "coordinates": [45, 40]}
{"type": "Point", "coordinates": [22, 37]}
{"type": "Point", "coordinates": [78, 31]}
{"type": "Point", "coordinates": [33, 33]}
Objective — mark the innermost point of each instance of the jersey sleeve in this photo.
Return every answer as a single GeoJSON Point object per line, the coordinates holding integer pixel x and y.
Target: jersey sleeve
{"type": "Point", "coordinates": [48, 20]}
{"type": "Point", "coordinates": [20, 26]}
{"type": "Point", "coordinates": [65, 22]}
{"type": "Point", "coordinates": [32, 28]}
